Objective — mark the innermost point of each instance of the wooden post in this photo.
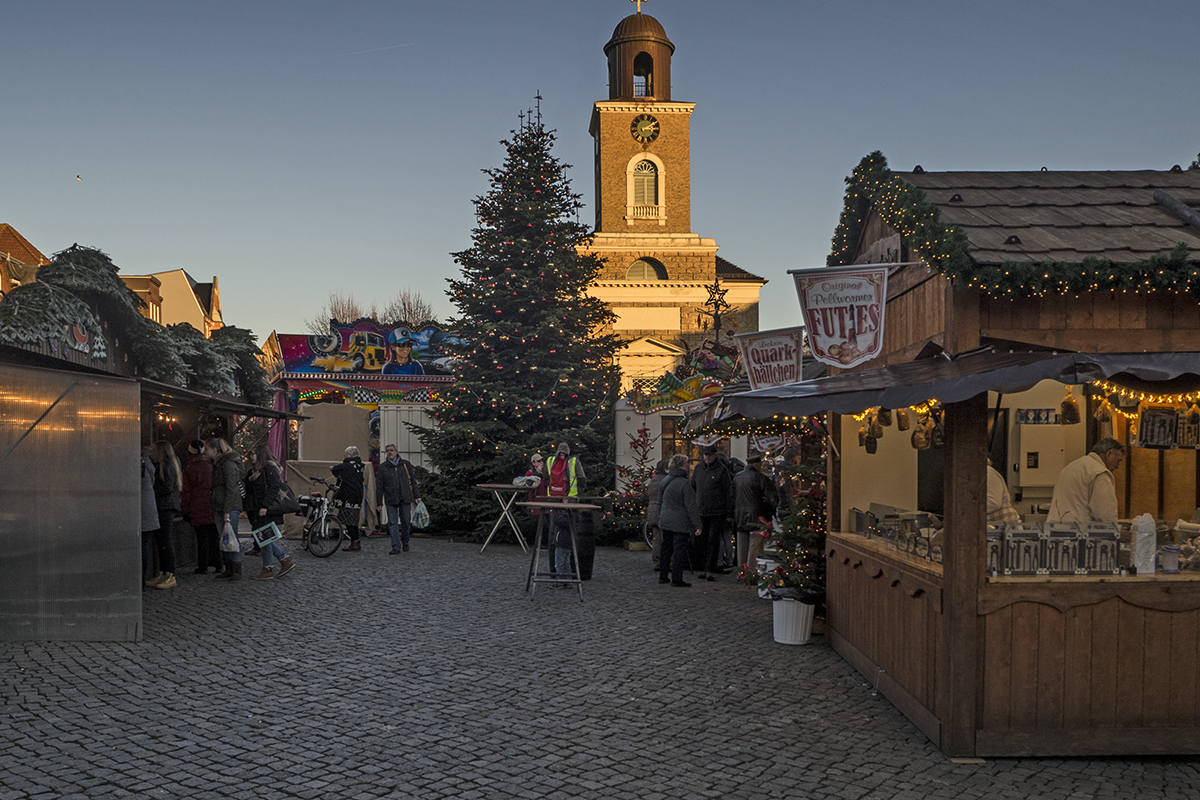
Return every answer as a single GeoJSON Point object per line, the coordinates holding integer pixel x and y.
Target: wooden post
{"type": "Point", "coordinates": [966, 526]}
{"type": "Point", "coordinates": [833, 474]}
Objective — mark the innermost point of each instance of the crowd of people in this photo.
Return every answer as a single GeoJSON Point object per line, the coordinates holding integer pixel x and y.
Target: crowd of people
{"type": "Point", "coordinates": [694, 517]}
{"type": "Point", "coordinates": [215, 488]}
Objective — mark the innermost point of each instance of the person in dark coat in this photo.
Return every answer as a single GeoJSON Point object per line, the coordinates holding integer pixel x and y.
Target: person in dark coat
{"type": "Point", "coordinates": [167, 483]}
{"type": "Point", "coordinates": [263, 485]}
{"type": "Point", "coordinates": [396, 488]}
{"type": "Point", "coordinates": [652, 489]}
{"type": "Point", "coordinates": [226, 496]}
{"type": "Point", "coordinates": [349, 491]}
{"type": "Point", "coordinates": [754, 499]}
{"type": "Point", "coordinates": [678, 519]}
{"type": "Point", "coordinates": [713, 484]}
{"type": "Point", "coordinates": [149, 510]}
{"type": "Point", "coordinates": [196, 508]}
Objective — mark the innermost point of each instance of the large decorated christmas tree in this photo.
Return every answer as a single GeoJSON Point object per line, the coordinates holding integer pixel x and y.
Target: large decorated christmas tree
{"type": "Point", "coordinates": [535, 368]}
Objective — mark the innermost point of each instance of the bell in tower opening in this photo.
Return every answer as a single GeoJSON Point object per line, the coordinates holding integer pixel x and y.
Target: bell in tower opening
{"type": "Point", "coordinates": [639, 60]}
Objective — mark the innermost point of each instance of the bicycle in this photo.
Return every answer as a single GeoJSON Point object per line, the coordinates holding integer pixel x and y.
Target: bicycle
{"type": "Point", "coordinates": [323, 531]}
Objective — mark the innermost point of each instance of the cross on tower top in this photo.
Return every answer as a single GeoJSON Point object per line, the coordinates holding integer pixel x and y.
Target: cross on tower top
{"type": "Point", "coordinates": [639, 4]}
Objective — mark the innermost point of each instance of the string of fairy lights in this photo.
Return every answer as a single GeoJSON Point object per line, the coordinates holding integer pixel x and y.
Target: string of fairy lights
{"type": "Point", "coordinates": [1136, 400]}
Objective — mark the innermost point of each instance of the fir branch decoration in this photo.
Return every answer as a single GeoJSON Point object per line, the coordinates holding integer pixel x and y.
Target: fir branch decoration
{"type": "Point", "coordinates": [239, 346]}
{"type": "Point", "coordinates": [82, 278]}
{"type": "Point", "coordinates": [907, 209]}
{"type": "Point", "coordinates": [210, 368]}
{"type": "Point", "coordinates": [36, 311]}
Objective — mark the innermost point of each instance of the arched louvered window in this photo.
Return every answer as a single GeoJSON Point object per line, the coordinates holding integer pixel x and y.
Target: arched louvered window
{"type": "Point", "coordinates": [646, 270]}
{"type": "Point", "coordinates": [645, 184]}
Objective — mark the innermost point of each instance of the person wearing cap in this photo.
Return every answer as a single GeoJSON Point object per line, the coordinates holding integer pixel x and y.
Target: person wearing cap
{"type": "Point", "coordinates": [196, 508]}
{"type": "Point", "coordinates": [754, 501]}
{"type": "Point", "coordinates": [401, 361]}
{"type": "Point", "coordinates": [713, 485]}
{"type": "Point", "coordinates": [396, 490]}
{"type": "Point", "coordinates": [564, 478]}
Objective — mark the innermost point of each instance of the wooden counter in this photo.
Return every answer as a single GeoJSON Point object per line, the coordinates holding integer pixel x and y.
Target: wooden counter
{"type": "Point", "coordinates": [1068, 665]}
{"type": "Point", "coordinates": [884, 616]}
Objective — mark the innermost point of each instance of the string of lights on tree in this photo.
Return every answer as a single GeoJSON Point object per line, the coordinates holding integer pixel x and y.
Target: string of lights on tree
{"type": "Point", "coordinates": [943, 247]}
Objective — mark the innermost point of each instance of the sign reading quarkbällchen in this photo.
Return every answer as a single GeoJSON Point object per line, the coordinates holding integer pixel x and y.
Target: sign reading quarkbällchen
{"type": "Point", "coordinates": [843, 311]}
{"type": "Point", "coordinates": [772, 358]}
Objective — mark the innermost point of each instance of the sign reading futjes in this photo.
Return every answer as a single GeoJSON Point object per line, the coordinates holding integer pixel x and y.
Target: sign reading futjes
{"type": "Point", "coordinates": [772, 358]}
{"type": "Point", "coordinates": [843, 311]}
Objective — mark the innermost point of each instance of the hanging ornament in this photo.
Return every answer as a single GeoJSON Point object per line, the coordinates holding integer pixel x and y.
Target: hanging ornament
{"type": "Point", "coordinates": [1070, 410]}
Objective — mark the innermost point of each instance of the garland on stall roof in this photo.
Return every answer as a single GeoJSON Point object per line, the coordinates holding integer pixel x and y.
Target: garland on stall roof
{"type": "Point", "coordinates": [905, 208]}
{"type": "Point", "coordinates": [944, 247]}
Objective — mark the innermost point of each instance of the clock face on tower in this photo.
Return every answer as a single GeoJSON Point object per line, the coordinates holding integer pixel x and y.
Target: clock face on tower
{"type": "Point", "coordinates": [644, 128]}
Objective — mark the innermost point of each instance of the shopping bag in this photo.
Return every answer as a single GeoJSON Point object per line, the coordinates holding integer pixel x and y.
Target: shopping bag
{"type": "Point", "coordinates": [420, 515]}
{"type": "Point", "coordinates": [266, 534]}
{"type": "Point", "coordinates": [229, 540]}
{"type": "Point", "coordinates": [284, 503]}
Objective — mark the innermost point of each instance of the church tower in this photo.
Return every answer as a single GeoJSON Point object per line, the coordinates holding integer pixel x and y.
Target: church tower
{"type": "Point", "coordinates": [657, 270]}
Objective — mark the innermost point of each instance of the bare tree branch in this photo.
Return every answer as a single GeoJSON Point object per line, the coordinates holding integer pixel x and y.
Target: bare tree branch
{"type": "Point", "coordinates": [339, 307]}
{"type": "Point", "coordinates": [407, 307]}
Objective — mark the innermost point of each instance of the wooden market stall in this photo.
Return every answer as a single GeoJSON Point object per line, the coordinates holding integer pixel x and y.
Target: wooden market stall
{"type": "Point", "coordinates": [1086, 279]}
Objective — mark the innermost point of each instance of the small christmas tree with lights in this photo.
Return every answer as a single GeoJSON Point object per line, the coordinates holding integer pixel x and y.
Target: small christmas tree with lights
{"type": "Point", "coordinates": [535, 368]}
{"type": "Point", "coordinates": [798, 539]}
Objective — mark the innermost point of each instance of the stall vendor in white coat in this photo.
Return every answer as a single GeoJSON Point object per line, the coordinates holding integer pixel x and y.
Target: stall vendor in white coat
{"type": "Point", "coordinates": [1086, 490]}
{"type": "Point", "coordinates": [1000, 510]}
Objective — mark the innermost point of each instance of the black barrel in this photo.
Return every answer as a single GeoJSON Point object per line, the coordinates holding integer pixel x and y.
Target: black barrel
{"type": "Point", "coordinates": [585, 541]}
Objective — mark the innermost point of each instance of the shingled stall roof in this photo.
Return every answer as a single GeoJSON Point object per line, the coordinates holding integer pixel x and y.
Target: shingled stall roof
{"type": "Point", "coordinates": [1064, 216]}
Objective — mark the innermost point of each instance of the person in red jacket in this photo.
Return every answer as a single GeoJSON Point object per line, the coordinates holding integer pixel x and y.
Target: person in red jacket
{"type": "Point", "coordinates": [196, 508]}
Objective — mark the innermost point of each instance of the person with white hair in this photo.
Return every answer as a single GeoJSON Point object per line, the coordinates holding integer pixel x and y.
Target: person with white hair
{"type": "Point", "coordinates": [1086, 490]}
{"type": "Point", "coordinates": [349, 491]}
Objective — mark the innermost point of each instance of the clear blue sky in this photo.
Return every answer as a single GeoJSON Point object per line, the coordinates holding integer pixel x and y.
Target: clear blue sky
{"type": "Point", "coordinates": [296, 148]}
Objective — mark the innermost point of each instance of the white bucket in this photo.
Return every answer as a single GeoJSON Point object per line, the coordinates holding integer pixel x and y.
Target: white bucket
{"type": "Point", "coordinates": [765, 565]}
{"type": "Point", "coordinates": [793, 621]}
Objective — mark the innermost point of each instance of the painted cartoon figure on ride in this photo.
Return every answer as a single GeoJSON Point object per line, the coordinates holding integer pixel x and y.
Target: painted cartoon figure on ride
{"type": "Point", "coordinates": [401, 362]}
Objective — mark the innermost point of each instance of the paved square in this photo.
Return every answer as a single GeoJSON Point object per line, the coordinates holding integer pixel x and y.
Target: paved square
{"type": "Point", "coordinates": [432, 675]}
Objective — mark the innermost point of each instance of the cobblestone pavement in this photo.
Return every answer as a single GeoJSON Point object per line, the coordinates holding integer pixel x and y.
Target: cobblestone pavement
{"type": "Point", "coordinates": [432, 675]}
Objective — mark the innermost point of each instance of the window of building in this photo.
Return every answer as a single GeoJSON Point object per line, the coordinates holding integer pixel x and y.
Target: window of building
{"type": "Point", "coordinates": [646, 270]}
{"type": "Point", "coordinates": [645, 184]}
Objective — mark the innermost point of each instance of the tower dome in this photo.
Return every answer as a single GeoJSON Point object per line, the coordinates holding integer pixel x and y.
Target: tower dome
{"type": "Point", "coordinates": [639, 60]}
